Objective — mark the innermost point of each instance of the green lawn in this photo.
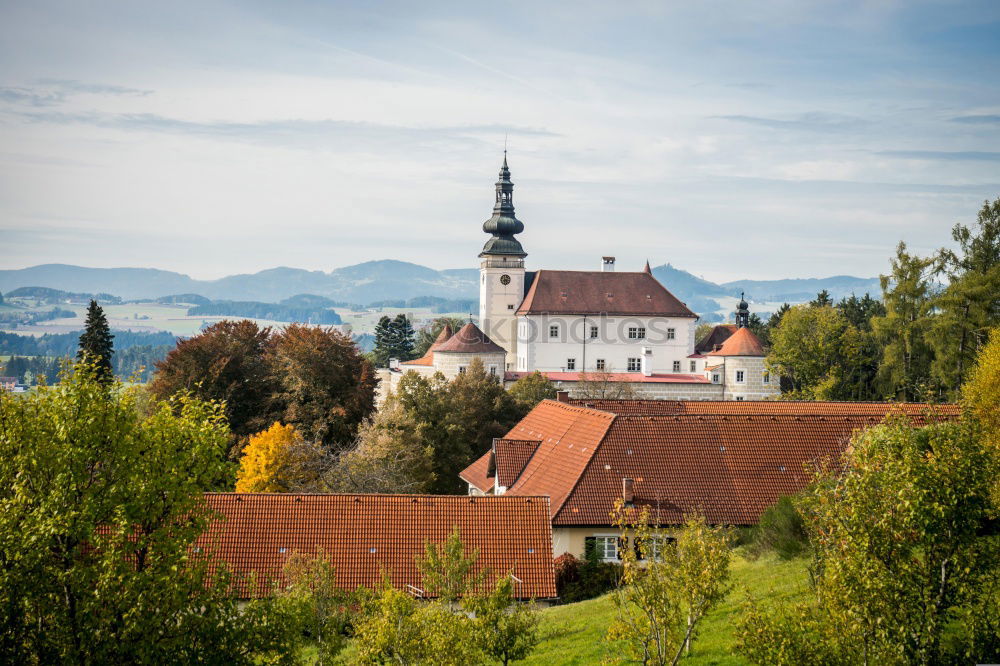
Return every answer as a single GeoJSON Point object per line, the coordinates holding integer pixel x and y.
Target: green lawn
{"type": "Point", "coordinates": [574, 633]}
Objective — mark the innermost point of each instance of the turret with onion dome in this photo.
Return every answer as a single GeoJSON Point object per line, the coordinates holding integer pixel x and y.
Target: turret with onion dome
{"type": "Point", "coordinates": [503, 225]}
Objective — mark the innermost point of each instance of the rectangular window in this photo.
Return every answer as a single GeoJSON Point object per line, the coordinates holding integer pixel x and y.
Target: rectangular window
{"type": "Point", "coordinates": [571, 364]}
{"type": "Point", "coordinates": [461, 369]}
{"type": "Point", "coordinates": [740, 376]}
{"type": "Point", "coordinates": [636, 332]}
{"type": "Point", "coordinates": [653, 547]}
{"type": "Point", "coordinates": [634, 365]}
{"type": "Point", "coordinates": [694, 366]}
{"type": "Point", "coordinates": [739, 398]}
{"type": "Point", "coordinates": [593, 332]}
{"type": "Point", "coordinates": [715, 378]}
{"type": "Point", "coordinates": [493, 370]}
{"type": "Point", "coordinates": [600, 364]}
{"type": "Point", "coordinates": [671, 334]}
{"type": "Point", "coordinates": [677, 366]}
{"type": "Point", "coordinates": [767, 377]}
{"type": "Point", "coordinates": [510, 306]}
{"type": "Point", "coordinates": [605, 547]}
{"type": "Point", "coordinates": [553, 331]}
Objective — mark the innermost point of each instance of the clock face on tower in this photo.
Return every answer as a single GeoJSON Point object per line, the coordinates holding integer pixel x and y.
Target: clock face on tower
{"type": "Point", "coordinates": [505, 279]}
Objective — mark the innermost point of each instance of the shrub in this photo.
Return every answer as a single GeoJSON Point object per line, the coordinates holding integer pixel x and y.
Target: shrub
{"type": "Point", "coordinates": [577, 580]}
{"type": "Point", "coordinates": [781, 530]}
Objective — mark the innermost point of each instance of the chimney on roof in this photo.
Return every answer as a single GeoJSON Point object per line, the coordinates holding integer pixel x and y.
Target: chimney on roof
{"type": "Point", "coordinates": [647, 362]}
{"type": "Point", "coordinates": [562, 396]}
{"type": "Point", "coordinates": [608, 264]}
{"type": "Point", "coordinates": [628, 491]}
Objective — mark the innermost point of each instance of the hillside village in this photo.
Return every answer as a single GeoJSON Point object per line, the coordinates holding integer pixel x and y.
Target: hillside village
{"type": "Point", "coordinates": [580, 438]}
{"type": "Point", "coordinates": [466, 334]}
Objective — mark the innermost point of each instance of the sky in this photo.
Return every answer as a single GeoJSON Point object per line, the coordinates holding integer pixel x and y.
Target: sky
{"type": "Point", "coordinates": [733, 139]}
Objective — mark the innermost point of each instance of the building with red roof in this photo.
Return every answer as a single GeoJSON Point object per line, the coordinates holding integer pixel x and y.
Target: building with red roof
{"type": "Point", "coordinates": [368, 536]}
{"type": "Point", "coordinates": [726, 459]}
{"type": "Point", "coordinates": [578, 327]}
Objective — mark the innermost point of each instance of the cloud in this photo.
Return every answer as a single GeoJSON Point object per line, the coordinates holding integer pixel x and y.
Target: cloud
{"type": "Point", "coordinates": [945, 155]}
{"type": "Point", "coordinates": [72, 85]}
{"type": "Point", "coordinates": [50, 92]}
{"type": "Point", "coordinates": [360, 135]}
{"type": "Point", "coordinates": [810, 122]}
{"type": "Point", "coordinates": [30, 96]}
{"type": "Point", "coordinates": [977, 120]}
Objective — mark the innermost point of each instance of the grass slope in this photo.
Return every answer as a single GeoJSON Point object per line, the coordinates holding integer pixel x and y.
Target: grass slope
{"type": "Point", "coordinates": [574, 633]}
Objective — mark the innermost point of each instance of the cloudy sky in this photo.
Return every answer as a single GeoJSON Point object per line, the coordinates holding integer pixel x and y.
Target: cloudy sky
{"type": "Point", "coordinates": [778, 138]}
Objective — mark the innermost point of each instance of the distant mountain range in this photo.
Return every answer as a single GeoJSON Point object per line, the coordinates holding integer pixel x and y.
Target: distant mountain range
{"type": "Point", "coordinates": [389, 280]}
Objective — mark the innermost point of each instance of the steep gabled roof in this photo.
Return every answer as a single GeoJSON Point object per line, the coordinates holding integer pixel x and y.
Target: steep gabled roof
{"type": "Point", "coordinates": [364, 535]}
{"type": "Point", "coordinates": [567, 436]}
{"type": "Point", "coordinates": [512, 455]}
{"type": "Point", "coordinates": [428, 358]}
{"type": "Point", "coordinates": [716, 337]}
{"type": "Point", "coordinates": [600, 292]}
{"type": "Point", "coordinates": [741, 343]}
{"type": "Point", "coordinates": [470, 340]}
{"type": "Point", "coordinates": [730, 460]}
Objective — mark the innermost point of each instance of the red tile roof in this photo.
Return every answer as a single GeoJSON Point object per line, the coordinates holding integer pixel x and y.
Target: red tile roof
{"type": "Point", "coordinates": [568, 437]}
{"type": "Point", "coordinates": [765, 407]}
{"type": "Point", "coordinates": [717, 336]}
{"type": "Point", "coordinates": [597, 292]}
{"type": "Point", "coordinates": [512, 455]}
{"type": "Point", "coordinates": [480, 473]}
{"type": "Point", "coordinates": [741, 343]}
{"type": "Point", "coordinates": [631, 377]}
{"type": "Point", "coordinates": [730, 460]}
{"type": "Point", "coordinates": [470, 340]}
{"type": "Point", "coordinates": [428, 358]}
{"type": "Point", "coordinates": [366, 534]}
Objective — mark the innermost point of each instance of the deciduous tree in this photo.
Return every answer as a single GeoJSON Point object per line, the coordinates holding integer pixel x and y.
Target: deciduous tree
{"type": "Point", "coordinates": [905, 570]}
{"type": "Point", "coordinates": [325, 386]}
{"type": "Point", "coordinates": [503, 629]}
{"type": "Point", "coordinates": [667, 586]}
{"type": "Point", "coordinates": [100, 504]}
{"type": "Point", "coordinates": [228, 362]}
{"type": "Point", "coordinates": [530, 390]}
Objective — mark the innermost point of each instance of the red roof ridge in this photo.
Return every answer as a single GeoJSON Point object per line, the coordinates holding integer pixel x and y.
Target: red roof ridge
{"type": "Point", "coordinates": [470, 339]}
{"type": "Point", "coordinates": [741, 343]}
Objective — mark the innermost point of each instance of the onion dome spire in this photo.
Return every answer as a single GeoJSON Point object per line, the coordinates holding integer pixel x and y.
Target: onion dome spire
{"type": "Point", "coordinates": [742, 313]}
{"type": "Point", "coordinates": [503, 225]}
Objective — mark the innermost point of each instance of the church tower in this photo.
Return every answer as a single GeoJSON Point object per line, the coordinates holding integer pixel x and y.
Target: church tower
{"type": "Point", "coordinates": [501, 271]}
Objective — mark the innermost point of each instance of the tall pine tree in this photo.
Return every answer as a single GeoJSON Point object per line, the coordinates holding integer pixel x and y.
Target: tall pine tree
{"type": "Point", "coordinates": [95, 343]}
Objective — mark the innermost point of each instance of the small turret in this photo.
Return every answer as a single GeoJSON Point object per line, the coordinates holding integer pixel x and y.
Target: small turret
{"type": "Point", "coordinates": [742, 313]}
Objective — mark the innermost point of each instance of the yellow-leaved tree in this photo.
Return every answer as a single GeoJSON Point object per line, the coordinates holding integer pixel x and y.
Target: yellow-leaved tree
{"type": "Point", "coordinates": [981, 393]}
{"type": "Point", "coordinates": [266, 457]}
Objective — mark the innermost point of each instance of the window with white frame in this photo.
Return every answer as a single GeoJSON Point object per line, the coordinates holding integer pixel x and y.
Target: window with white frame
{"type": "Point", "coordinates": [671, 333]}
{"type": "Point", "coordinates": [677, 366]}
{"type": "Point", "coordinates": [461, 369]}
{"type": "Point", "coordinates": [739, 398]}
{"type": "Point", "coordinates": [493, 370]}
{"type": "Point", "coordinates": [715, 378]}
{"type": "Point", "coordinates": [554, 331]}
{"type": "Point", "coordinates": [604, 547]}
{"type": "Point", "coordinates": [652, 547]}
{"type": "Point", "coordinates": [634, 365]}
{"type": "Point", "coordinates": [593, 331]}
{"type": "Point", "coordinates": [740, 376]}
{"type": "Point", "coordinates": [636, 332]}
{"type": "Point", "coordinates": [600, 364]}
{"type": "Point", "coordinates": [571, 364]}
{"type": "Point", "coordinates": [694, 366]}
{"type": "Point", "coordinates": [767, 377]}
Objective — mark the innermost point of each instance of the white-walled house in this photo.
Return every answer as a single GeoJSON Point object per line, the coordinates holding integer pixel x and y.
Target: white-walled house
{"type": "Point", "coordinates": [576, 327]}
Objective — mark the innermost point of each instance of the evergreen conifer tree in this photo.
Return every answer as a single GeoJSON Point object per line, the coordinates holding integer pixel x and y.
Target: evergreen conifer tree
{"type": "Point", "coordinates": [96, 342]}
{"type": "Point", "coordinates": [403, 337]}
